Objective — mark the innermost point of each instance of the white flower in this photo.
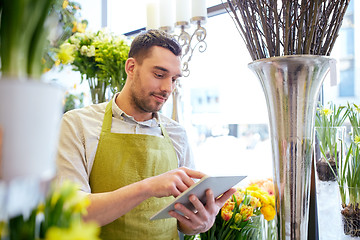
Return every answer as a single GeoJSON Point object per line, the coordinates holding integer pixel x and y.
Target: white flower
{"type": "Point", "coordinates": [91, 51]}
{"type": "Point", "coordinates": [84, 50]}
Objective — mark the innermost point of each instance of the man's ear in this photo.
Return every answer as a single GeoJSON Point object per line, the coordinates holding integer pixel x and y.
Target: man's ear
{"type": "Point", "coordinates": [129, 66]}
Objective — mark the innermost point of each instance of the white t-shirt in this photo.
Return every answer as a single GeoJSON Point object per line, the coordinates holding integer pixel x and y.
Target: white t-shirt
{"type": "Point", "coordinates": [80, 133]}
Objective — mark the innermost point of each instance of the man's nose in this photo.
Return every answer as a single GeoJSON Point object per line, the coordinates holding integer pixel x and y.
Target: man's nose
{"type": "Point", "coordinates": [168, 85]}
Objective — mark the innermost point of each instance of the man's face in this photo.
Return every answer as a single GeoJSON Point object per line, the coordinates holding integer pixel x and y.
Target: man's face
{"type": "Point", "coordinates": [154, 80]}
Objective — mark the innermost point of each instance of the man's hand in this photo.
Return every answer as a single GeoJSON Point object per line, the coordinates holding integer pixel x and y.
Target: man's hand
{"type": "Point", "coordinates": [204, 217]}
{"type": "Point", "coordinates": [172, 183]}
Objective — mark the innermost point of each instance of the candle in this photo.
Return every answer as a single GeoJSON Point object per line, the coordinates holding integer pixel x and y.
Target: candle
{"type": "Point", "coordinates": [167, 13]}
{"type": "Point", "coordinates": [152, 14]}
{"type": "Point", "coordinates": [183, 10]}
{"type": "Point", "coordinates": [199, 8]}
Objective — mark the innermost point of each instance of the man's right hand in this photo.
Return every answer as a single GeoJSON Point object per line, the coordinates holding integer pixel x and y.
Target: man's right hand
{"type": "Point", "coordinates": [172, 183]}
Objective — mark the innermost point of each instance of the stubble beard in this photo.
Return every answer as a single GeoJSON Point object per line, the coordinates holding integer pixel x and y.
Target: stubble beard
{"type": "Point", "coordinates": [144, 101]}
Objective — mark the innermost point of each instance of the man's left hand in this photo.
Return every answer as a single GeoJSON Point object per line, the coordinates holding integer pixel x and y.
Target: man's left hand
{"type": "Point", "coordinates": [203, 218]}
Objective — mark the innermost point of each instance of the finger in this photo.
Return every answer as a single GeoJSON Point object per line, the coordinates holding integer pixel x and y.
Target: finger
{"type": "Point", "coordinates": [198, 205]}
{"type": "Point", "coordinates": [193, 173]}
{"type": "Point", "coordinates": [222, 199]}
{"type": "Point", "coordinates": [185, 211]}
{"type": "Point", "coordinates": [178, 216]}
{"type": "Point", "coordinates": [180, 187]}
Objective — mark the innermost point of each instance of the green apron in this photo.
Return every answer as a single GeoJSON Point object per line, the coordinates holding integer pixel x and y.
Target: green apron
{"type": "Point", "coordinates": [122, 159]}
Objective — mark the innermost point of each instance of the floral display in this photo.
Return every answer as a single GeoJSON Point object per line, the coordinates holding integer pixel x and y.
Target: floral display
{"type": "Point", "coordinates": [99, 57]}
{"type": "Point", "coordinates": [242, 215]}
{"type": "Point", "coordinates": [59, 217]}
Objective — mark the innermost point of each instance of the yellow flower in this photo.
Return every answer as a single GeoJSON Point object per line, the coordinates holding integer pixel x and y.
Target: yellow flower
{"type": "Point", "coordinates": [54, 198]}
{"type": "Point", "coordinates": [326, 112]}
{"type": "Point", "coordinates": [357, 108]}
{"type": "Point", "coordinates": [246, 212]}
{"type": "Point", "coordinates": [239, 196]}
{"type": "Point", "coordinates": [65, 54]}
{"type": "Point", "coordinates": [268, 212]}
{"type": "Point", "coordinates": [226, 210]}
{"type": "Point", "coordinates": [357, 139]}
{"type": "Point", "coordinates": [254, 202]}
{"type": "Point", "coordinates": [77, 231]}
{"type": "Point", "coordinates": [65, 3]}
{"type": "Point", "coordinates": [57, 62]}
{"type": "Point", "coordinates": [79, 27]}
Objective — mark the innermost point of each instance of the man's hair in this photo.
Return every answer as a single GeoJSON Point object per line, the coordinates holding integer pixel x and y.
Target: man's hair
{"type": "Point", "coordinates": [140, 46]}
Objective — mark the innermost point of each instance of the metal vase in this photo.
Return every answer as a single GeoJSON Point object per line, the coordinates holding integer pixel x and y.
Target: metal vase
{"type": "Point", "coordinates": [291, 85]}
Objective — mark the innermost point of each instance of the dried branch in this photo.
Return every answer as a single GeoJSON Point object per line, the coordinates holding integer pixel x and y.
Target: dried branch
{"type": "Point", "coordinates": [286, 27]}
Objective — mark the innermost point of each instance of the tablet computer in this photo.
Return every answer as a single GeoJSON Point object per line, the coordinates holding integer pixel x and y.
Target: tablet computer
{"type": "Point", "coordinates": [218, 184]}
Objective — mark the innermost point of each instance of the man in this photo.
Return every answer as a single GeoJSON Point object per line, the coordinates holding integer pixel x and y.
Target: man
{"type": "Point", "coordinates": [129, 158]}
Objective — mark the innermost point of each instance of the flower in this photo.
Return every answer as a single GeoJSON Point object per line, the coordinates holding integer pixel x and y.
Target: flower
{"type": "Point", "coordinates": [357, 139]}
{"type": "Point", "coordinates": [326, 112]}
{"type": "Point", "coordinates": [76, 231]}
{"type": "Point", "coordinates": [60, 216]}
{"type": "Point", "coordinates": [99, 57]}
{"type": "Point", "coordinates": [240, 217]}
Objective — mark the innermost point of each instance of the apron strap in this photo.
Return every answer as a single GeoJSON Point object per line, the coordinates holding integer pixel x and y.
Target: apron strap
{"type": "Point", "coordinates": [164, 132]}
{"type": "Point", "coordinates": [106, 126]}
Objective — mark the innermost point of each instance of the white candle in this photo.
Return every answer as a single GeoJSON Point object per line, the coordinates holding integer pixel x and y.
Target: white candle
{"type": "Point", "coordinates": [199, 8]}
{"type": "Point", "coordinates": [167, 13]}
{"type": "Point", "coordinates": [152, 14]}
{"type": "Point", "coordinates": [183, 10]}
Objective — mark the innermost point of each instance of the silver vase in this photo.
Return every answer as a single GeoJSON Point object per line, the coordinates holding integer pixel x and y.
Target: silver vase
{"type": "Point", "coordinates": [291, 85]}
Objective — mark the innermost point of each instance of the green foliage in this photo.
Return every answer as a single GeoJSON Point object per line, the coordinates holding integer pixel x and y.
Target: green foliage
{"type": "Point", "coordinates": [327, 121]}
{"type": "Point", "coordinates": [24, 28]}
{"type": "Point", "coordinates": [353, 111]}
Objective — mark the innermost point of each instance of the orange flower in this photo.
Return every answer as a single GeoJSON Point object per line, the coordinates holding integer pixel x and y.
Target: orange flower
{"type": "Point", "coordinates": [226, 210]}
{"type": "Point", "coordinates": [246, 212]}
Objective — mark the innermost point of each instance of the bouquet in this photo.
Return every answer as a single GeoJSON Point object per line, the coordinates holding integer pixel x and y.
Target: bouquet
{"type": "Point", "coordinates": [58, 217]}
{"type": "Point", "coordinates": [243, 214]}
{"type": "Point", "coordinates": [100, 58]}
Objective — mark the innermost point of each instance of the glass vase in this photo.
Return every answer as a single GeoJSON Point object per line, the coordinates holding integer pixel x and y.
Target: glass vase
{"type": "Point", "coordinates": [291, 85]}
{"type": "Point", "coordinates": [98, 90]}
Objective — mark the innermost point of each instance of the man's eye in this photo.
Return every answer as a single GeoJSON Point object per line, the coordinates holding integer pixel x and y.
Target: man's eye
{"type": "Point", "coordinates": [158, 75]}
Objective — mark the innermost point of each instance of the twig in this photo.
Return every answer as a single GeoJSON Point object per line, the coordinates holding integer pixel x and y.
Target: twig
{"type": "Point", "coordinates": [286, 27]}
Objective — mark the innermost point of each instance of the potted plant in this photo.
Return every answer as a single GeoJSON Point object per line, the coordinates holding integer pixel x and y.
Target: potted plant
{"type": "Point", "coordinates": [100, 58]}
{"type": "Point", "coordinates": [349, 177]}
{"type": "Point", "coordinates": [328, 128]}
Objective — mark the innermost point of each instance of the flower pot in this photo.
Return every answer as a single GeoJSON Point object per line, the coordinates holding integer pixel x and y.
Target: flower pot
{"type": "Point", "coordinates": [291, 85]}
{"type": "Point", "coordinates": [30, 114]}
